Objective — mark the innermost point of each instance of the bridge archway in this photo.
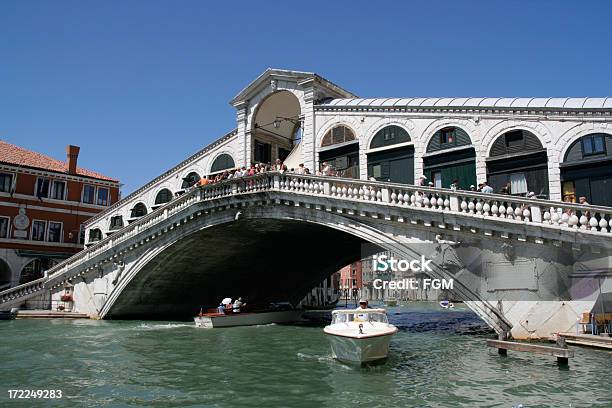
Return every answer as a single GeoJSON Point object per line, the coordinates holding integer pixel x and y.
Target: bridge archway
{"type": "Point", "coordinates": [181, 274]}
{"type": "Point", "coordinates": [276, 127]}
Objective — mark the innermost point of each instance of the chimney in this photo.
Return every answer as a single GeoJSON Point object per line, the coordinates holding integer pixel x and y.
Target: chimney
{"type": "Point", "coordinates": [72, 154]}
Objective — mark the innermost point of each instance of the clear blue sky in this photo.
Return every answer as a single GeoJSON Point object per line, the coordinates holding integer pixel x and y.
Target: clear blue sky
{"type": "Point", "coordinates": [139, 85]}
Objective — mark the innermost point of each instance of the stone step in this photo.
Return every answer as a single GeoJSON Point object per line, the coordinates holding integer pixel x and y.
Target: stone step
{"type": "Point", "coordinates": [49, 314]}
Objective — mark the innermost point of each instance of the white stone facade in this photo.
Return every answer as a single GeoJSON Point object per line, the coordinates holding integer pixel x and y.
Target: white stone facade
{"type": "Point", "coordinates": [556, 122]}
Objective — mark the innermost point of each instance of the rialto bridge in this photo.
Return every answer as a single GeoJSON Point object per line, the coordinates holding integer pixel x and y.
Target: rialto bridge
{"type": "Point", "coordinates": [525, 265]}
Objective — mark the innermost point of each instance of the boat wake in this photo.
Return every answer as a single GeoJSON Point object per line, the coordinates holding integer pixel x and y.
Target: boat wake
{"type": "Point", "coordinates": [313, 357]}
{"type": "Point", "coordinates": [167, 326]}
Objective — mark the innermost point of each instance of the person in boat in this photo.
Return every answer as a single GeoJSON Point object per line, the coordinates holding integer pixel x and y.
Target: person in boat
{"type": "Point", "coordinates": [361, 316]}
{"type": "Point", "coordinates": [227, 304]}
{"type": "Point", "coordinates": [238, 304]}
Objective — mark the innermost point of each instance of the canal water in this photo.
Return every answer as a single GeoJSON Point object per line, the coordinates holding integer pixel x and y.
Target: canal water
{"type": "Point", "coordinates": [438, 359]}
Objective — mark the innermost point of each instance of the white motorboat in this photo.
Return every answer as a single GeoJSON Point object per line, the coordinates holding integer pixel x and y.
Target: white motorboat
{"type": "Point", "coordinates": [360, 335]}
{"type": "Point", "coordinates": [214, 319]}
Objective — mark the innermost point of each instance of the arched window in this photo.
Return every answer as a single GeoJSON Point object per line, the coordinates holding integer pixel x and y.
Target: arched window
{"type": "Point", "coordinates": [116, 222]}
{"type": "Point", "coordinates": [515, 142]}
{"type": "Point", "coordinates": [95, 234]}
{"type": "Point", "coordinates": [587, 170]}
{"type": "Point", "coordinates": [139, 210]}
{"type": "Point", "coordinates": [518, 164]}
{"type": "Point", "coordinates": [190, 180]}
{"type": "Point", "coordinates": [35, 269]}
{"type": "Point", "coordinates": [447, 138]}
{"type": "Point", "coordinates": [336, 135]}
{"type": "Point", "coordinates": [164, 196]}
{"type": "Point", "coordinates": [388, 136]}
{"type": "Point", "coordinates": [222, 162]}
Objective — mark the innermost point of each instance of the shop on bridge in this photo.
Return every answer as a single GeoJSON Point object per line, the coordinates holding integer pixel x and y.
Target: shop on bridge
{"type": "Point", "coordinates": [518, 160]}
{"type": "Point", "coordinates": [587, 170]}
{"type": "Point", "coordinates": [391, 156]}
{"type": "Point", "coordinates": [340, 149]}
{"type": "Point", "coordinates": [450, 156]}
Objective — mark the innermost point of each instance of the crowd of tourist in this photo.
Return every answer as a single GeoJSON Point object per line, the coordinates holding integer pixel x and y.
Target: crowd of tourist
{"type": "Point", "coordinates": [259, 168]}
{"type": "Point", "coordinates": [328, 170]}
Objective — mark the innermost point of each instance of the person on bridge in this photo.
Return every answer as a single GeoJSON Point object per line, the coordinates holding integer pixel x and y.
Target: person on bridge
{"type": "Point", "coordinates": [487, 189]}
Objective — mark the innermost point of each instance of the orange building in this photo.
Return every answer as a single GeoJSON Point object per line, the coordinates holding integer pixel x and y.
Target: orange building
{"type": "Point", "coordinates": [43, 204]}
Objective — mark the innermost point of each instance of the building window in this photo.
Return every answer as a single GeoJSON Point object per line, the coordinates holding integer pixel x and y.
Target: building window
{"type": "Point", "coordinates": [190, 180]}
{"type": "Point", "coordinates": [6, 182]}
{"type": "Point", "coordinates": [389, 136]}
{"type": "Point", "coordinates": [116, 222]}
{"type": "Point", "coordinates": [42, 187]}
{"type": "Point", "coordinates": [263, 152]}
{"type": "Point", "coordinates": [89, 193]}
{"type": "Point", "coordinates": [447, 136]}
{"type": "Point", "coordinates": [55, 231]}
{"type": "Point", "coordinates": [514, 138]}
{"type": "Point", "coordinates": [139, 210]}
{"type": "Point", "coordinates": [103, 196]}
{"type": "Point", "coordinates": [164, 196]}
{"type": "Point", "coordinates": [4, 227]}
{"type": "Point", "coordinates": [222, 162]}
{"type": "Point", "coordinates": [38, 230]}
{"type": "Point", "coordinates": [337, 135]}
{"type": "Point", "coordinates": [593, 144]}
{"type": "Point", "coordinates": [58, 190]}
{"type": "Point", "coordinates": [95, 235]}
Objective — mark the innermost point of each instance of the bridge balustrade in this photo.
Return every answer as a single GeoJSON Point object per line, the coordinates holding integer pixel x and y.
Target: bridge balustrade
{"type": "Point", "coordinates": [583, 218]}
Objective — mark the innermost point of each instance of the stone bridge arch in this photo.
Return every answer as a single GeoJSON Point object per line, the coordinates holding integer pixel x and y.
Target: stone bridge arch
{"type": "Point", "coordinates": [278, 242]}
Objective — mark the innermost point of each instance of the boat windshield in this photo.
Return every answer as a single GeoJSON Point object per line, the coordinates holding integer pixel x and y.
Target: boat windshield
{"type": "Point", "coordinates": [364, 316]}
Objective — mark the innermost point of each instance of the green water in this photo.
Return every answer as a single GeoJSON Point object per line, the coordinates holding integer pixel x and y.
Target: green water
{"type": "Point", "coordinates": [438, 359]}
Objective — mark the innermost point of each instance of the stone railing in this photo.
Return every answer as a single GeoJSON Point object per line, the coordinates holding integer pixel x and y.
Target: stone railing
{"type": "Point", "coordinates": [552, 214]}
{"type": "Point", "coordinates": [594, 219]}
{"type": "Point", "coordinates": [22, 291]}
{"type": "Point", "coordinates": [161, 177]}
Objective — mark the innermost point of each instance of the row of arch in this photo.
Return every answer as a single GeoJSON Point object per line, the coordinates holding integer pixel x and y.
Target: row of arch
{"type": "Point", "coordinates": [517, 161]}
{"type": "Point", "coordinates": [445, 138]}
{"type": "Point", "coordinates": [33, 270]}
{"type": "Point", "coordinates": [221, 163]}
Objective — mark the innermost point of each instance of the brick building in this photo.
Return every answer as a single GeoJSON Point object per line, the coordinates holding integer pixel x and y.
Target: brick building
{"type": "Point", "coordinates": [43, 204]}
